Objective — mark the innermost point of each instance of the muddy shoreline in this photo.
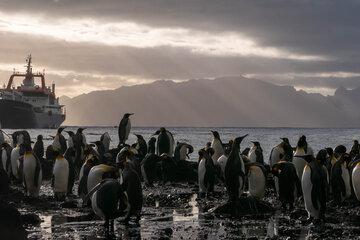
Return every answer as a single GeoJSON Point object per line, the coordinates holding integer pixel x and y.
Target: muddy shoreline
{"type": "Point", "coordinates": [175, 211]}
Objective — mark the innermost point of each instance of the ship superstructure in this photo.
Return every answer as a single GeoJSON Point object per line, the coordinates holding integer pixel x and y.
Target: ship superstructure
{"type": "Point", "coordinates": [30, 105]}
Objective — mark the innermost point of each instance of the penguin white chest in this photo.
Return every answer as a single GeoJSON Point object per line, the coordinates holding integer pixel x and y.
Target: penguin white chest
{"type": "Point", "coordinates": [61, 175]}
{"type": "Point", "coordinates": [307, 186]}
{"type": "Point", "coordinates": [222, 163]}
{"type": "Point", "coordinates": [275, 155]}
{"type": "Point", "coordinates": [183, 152]}
{"type": "Point", "coordinates": [201, 175]}
{"type": "Point", "coordinates": [299, 162]}
{"type": "Point", "coordinates": [15, 154]}
{"type": "Point", "coordinates": [346, 177]}
{"type": "Point", "coordinates": [257, 182]}
{"type": "Point", "coordinates": [356, 181]}
{"type": "Point", "coordinates": [252, 154]}
{"type": "Point", "coordinates": [218, 149]}
{"type": "Point", "coordinates": [29, 172]}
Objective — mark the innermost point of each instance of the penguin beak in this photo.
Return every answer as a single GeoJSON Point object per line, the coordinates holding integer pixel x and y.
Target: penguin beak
{"type": "Point", "coordinates": [244, 136]}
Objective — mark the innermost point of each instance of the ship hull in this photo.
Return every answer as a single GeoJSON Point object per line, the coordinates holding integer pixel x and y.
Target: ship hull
{"type": "Point", "coordinates": [16, 115]}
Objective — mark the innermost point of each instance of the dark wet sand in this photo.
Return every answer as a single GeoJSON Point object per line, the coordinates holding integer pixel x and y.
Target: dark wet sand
{"type": "Point", "coordinates": [174, 211]}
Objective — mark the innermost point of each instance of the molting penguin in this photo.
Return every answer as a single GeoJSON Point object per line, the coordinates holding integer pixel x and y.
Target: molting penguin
{"type": "Point", "coordinates": [289, 185]}
{"type": "Point", "coordinates": [217, 145]}
{"type": "Point", "coordinates": [141, 146]}
{"type": "Point", "coordinates": [314, 185]}
{"type": "Point", "coordinates": [257, 180]}
{"type": "Point", "coordinates": [206, 171]}
{"type": "Point", "coordinates": [182, 151]}
{"type": "Point", "coordinates": [165, 142]}
{"type": "Point", "coordinates": [105, 139]}
{"type": "Point", "coordinates": [124, 128]}
{"type": "Point", "coordinates": [152, 145]}
{"type": "Point", "coordinates": [108, 201]}
{"type": "Point", "coordinates": [235, 171]}
{"type": "Point", "coordinates": [31, 170]}
{"type": "Point", "coordinates": [256, 153]}
{"type": "Point", "coordinates": [60, 177]}
{"type": "Point", "coordinates": [340, 179]}
{"type": "Point", "coordinates": [302, 149]}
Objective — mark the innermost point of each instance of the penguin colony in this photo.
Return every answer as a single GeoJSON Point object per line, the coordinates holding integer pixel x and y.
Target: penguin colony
{"type": "Point", "coordinates": [109, 179]}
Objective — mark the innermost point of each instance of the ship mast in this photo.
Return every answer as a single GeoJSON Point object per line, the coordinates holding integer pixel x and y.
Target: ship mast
{"type": "Point", "coordinates": [29, 77]}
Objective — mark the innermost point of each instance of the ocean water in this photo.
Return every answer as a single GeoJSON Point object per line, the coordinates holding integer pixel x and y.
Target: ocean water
{"type": "Point", "coordinates": [317, 138]}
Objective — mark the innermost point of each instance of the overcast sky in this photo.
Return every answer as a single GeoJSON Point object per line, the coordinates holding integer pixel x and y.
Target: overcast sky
{"type": "Point", "coordinates": [87, 45]}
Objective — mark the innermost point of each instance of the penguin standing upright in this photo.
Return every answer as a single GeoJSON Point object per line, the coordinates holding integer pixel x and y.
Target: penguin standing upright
{"type": "Point", "coordinates": [340, 179]}
{"type": "Point", "coordinates": [289, 184]}
{"type": "Point", "coordinates": [314, 185]}
{"type": "Point", "coordinates": [152, 145]}
{"type": "Point", "coordinates": [235, 171]}
{"type": "Point", "coordinates": [90, 162]}
{"type": "Point", "coordinates": [217, 145]}
{"type": "Point", "coordinates": [79, 142]}
{"type": "Point", "coordinates": [59, 142]}
{"type": "Point", "coordinates": [60, 177]}
{"type": "Point", "coordinates": [132, 187]}
{"type": "Point", "coordinates": [221, 162]}
{"type": "Point", "coordinates": [256, 154]}
{"type": "Point", "coordinates": [141, 146]}
{"type": "Point", "coordinates": [124, 128]}
{"type": "Point", "coordinates": [105, 140]}
{"type": "Point", "coordinates": [256, 176]}
{"type": "Point", "coordinates": [165, 142]}
{"type": "Point", "coordinates": [5, 156]}
{"type": "Point", "coordinates": [355, 150]}
{"type": "Point", "coordinates": [206, 171]}
{"type": "Point", "coordinates": [31, 171]}
{"type": "Point", "coordinates": [39, 147]}
{"type": "Point", "coordinates": [302, 149]}
{"type": "Point", "coordinates": [108, 201]}
{"type": "Point", "coordinates": [356, 180]}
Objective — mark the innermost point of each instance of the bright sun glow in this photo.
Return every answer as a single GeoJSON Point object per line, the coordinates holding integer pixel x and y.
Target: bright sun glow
{"type": "Point", "coordinates": [142, 36]}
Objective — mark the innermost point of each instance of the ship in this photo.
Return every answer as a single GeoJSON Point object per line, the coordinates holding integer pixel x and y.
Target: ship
{"type": "Point", "coordinates": [30, 105]}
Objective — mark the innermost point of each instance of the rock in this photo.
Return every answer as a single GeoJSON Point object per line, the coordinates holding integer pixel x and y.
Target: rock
{"type": "Point", "coordinates": [11, 225]}
{"type": "Point", "coordinates": [30, 219]}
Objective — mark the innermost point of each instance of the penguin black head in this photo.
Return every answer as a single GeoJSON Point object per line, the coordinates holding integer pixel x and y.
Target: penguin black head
{"type": "Point", "coordinates": [210, 151]}
{"type": "Point", "coordinates": [208, 144]}
{"type": "Point", "coordinates": [238, 140]}
{"type": "Point", "coordinates": [321, 156]}
{"type": "Point", "coordinates": [356, 142]}
{"type": "Point", "coordinates": [80, 130]}
{"type": "Point", "coordinates": [245, 152]}
{"type": "Point", "coordinates": [127, 115]}
{"type": "Point", "coordinates": [60, 129]}
{"type": "Point", "coordinates": [330, 151]}
{"type": "Point", "coordinates": [138, 136]}
{"type": "Point", "coordinates": [161, 130]}
{"type": "Point", "coordinates": [302, 141]}
{"type": "Point", "coordinates": [345, 158]}
{"type": "Point", "coordinates": [216, 134]}
{"type": "Point", "coordinates": [339, 150]}
{"type": "Point", "coordinates": [285, 140]}
{"type": "Point", "coordinates": [201, 153]}
{"type": "Point", "coordinates": [256, 144]}
{"type": "Point", "coordinates": [39, 138]}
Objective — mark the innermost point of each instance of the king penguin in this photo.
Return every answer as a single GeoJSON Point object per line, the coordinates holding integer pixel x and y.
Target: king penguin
{"type": "Point", "coordinates": [289, 184]}
{"type": "Point", "coordinates": [141, 146]}
{"type": "Point", "coordinates": [206, 171]}
{"type": "Point", "coordinates": [5, 156]}
{"type": "Point", "coordinates": [60, 177]}
{"type": "Point", "coordinates": [256, 154]}
{"type": "Point", "coordinates": [235, 171]}
{"type": "Point", "coordinates": [100, 172]}
{"type": "Point", "coordinates": [165, 142]}
{"type": "Point", "coordinates": [105, 139]}
{"type": "Point", "coordinates": [182, 151]}
{"type": "Point", "coordinates": [256, 175]}
{"type": "Point", "coordinates": [108, 201]}
{"type": "Point", "coordinates": [302, 149]}
{"type": "Point", "coordinates": [31, 171]}
{"type": "Point", "coordinates": [217, 146]}
{"type": "Point", "coordinates": [340, 179]}
{"type": "Point", "coordinates": [356, 180]}
{"type": "Point", "coordinates": [124, 128]}
{"type": "Point", "coordinates": [314, 185]}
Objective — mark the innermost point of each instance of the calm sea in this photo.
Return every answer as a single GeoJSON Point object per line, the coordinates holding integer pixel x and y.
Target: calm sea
{"type": "Point", "coordinates": [318, 138]}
